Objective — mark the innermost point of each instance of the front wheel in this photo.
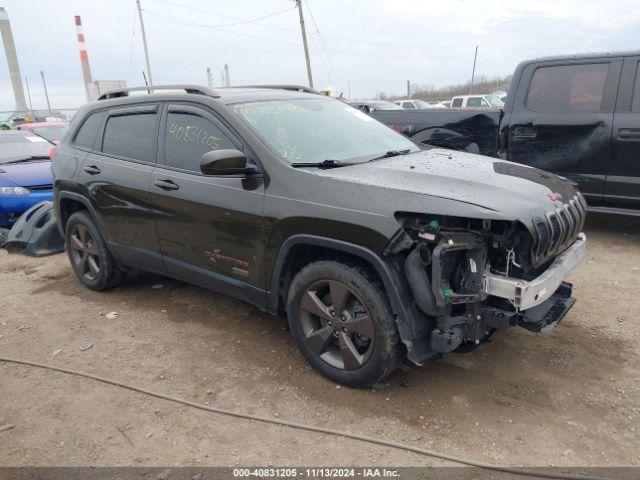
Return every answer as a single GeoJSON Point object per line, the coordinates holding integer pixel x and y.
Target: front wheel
{"type": "Point", "coordinates": [340, 319]}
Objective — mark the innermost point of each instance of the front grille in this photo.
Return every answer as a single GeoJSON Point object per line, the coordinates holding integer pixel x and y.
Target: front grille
{"type": "Point", "coordinates": [37, 188]}
{"type": "Point", "coordinates": [559, 229]}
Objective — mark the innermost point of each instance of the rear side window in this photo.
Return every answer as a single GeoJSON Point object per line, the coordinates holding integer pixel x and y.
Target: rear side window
{"type": "Point", "coordinates": [189, 136]}
{"type": "Point", "coordinates": [636, 91]}
{"type": "Point", "coordinates": [476, 102]}
{"type": "Point", "coordinates": [131, 136]}
{"type": "Point", "coordinates": [568, 88]}
{"type": "Point", "coordinates": [456, 103]}
{"type": "Point", "coordinates": [409, 106]}
{"type": "Point", "coordinates": [88, 132]}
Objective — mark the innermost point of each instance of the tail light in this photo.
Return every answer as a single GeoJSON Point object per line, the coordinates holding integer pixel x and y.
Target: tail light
{"type": "Point", "coordinates": [52, 152]}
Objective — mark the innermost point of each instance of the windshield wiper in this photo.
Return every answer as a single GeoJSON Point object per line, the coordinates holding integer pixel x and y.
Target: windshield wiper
{"type": "Point", "coordinates": [28, 159]}
{"type": "Point", "coordinates": [323, 165]}
{"type": "Point", "coordinates": [391, 153]}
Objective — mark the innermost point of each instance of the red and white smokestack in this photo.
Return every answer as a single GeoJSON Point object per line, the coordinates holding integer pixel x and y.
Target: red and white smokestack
{"type": "Point", "coordinates": [84, 59]}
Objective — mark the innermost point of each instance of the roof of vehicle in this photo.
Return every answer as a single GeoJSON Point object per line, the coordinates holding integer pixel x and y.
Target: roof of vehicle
{"type": "Point", "coordinates": [474, 95]}
{"type": "Point", "coordinates": [43, 124]}
{"type": "Point", "coordinates": [580, 56]}
{"type": "Point", "coordinates": [370, 101]}
{"type": "Point", "coordinates": [225, 95]}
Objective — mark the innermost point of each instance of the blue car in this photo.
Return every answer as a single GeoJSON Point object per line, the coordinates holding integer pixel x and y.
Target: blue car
{"type": "Point", "coordinates": [25, 173]}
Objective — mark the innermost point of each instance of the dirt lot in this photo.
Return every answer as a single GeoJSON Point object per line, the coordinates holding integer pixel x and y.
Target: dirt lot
{"type": "Point", "coordinates": [568, 399]}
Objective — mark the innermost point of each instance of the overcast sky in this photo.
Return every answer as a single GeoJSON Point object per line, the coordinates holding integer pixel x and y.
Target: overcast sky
{"type": "Point", "coordinates": [365, 45]}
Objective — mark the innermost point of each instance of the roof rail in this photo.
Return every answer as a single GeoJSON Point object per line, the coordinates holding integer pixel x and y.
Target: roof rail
{"type": "Point", "coordinates": [296, 88]}
{"type": "Point", "coordinates": [124, 92]}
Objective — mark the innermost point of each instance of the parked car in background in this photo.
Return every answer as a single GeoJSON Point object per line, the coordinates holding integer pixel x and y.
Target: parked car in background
{"type": "Point", "coordinates": [577, 116]}
{"type": "Point", "coordinates": [25, 173]}
{"type": "Point", "coordinates": [52, 131]}
{"type": "Point", "coordinates": [416, 104]}
{"type": "Point", "coordinates": [476, 101]}
{"type": "Point", "coordinates": [372, 105]}
{"type": "Point", "coordinates": [36, 116]}
{"type": "Point", "coordinates": [372, 249]}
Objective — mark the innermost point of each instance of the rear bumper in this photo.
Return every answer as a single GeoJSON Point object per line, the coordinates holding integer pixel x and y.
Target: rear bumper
{"type": "Point", "coordinates": [12, 206]}
{"type": "Point", "coordinates": [529, 294]}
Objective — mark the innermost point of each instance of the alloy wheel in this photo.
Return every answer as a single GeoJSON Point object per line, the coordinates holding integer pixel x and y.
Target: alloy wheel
{"type": "Point", "coordinates": [336, 325]}
{"type": "Point", "coordinates": [84, 252]}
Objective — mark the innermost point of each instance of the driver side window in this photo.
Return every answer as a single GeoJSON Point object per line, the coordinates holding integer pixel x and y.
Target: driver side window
{"type": "Point", "coordinates": [188, 136]}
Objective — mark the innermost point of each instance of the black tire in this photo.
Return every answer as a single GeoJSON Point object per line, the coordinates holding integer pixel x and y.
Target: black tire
{"type": "Point", "coordinates": [89, 256]}
{"type": "Point", "coordinates": [338, 352]}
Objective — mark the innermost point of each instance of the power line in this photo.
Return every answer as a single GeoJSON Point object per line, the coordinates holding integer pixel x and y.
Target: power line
{"type": "Point", "coordinates": [239, 21]}
{"type": "Point", "coordinates": [186, 23]}
{"type": "Point", "coordinates": [243, 22]}
{"type": "Point", "coordinates": [334, 37]}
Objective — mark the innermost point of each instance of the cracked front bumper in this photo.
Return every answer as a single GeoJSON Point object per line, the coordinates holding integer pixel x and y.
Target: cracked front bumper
{"type": "Point", "coordinates": [525, 294]}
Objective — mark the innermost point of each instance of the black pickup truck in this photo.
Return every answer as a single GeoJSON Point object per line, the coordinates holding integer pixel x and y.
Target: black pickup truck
{"type": "Point", "coordinates": [576, 116]}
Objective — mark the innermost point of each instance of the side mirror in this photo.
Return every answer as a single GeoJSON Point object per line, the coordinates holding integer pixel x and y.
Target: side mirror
{"type": "Point", "coordinates": [225, 162]}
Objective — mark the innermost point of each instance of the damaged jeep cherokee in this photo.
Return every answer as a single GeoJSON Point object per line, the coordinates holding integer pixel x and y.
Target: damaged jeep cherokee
{"type": "Point", "coordinates": [374, 250]}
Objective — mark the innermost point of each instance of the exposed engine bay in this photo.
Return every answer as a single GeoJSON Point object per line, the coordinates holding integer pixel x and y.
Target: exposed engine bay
{"type": "Point", "coordinates": [474, 277]}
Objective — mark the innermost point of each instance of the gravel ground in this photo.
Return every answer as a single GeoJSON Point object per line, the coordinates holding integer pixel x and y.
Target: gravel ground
{"type": "Point", "coordinates": [571, 398]}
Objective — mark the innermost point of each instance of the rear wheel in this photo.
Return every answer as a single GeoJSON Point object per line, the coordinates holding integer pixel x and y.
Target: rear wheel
{"type": "Point", "coordinates": [341, 322]}
{"type": "Point", "coordinates": [92, 262]}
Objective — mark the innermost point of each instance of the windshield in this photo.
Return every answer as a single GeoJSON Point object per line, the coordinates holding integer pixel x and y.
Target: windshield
{"type": "Point", "coordinates": [495, 101]}
{"type": "Point", "coordinates": [21, 147]}
{"type": "Point", "coordinates": [53, 133]}
{"type": "Point", "coordinates": [385, 106]}
{"type": "Point", "coordinates": [312, 130]}
{"type": "Point", "coordinates": [422, 104]}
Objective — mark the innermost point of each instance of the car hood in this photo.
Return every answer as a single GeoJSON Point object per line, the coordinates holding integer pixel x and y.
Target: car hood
{"type": "Point", "coordinates": [26, 174]}
{"type": "Point", "coordinates": [513, 190]}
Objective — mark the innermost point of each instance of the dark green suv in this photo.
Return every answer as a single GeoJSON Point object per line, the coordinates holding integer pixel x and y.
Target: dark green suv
{"type": "Point", "coordinates": [374, 250]}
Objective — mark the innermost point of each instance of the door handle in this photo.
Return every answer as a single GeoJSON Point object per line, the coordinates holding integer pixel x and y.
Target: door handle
{"type": "Point", "coordinates": [166, 185]}
{"type": "Point", "coordinates": [92, 170]}
{"type": "Point", "coordinates": [629, 134]}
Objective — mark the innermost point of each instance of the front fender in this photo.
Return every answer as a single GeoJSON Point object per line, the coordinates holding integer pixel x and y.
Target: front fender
{"type": "Point", "coordinates": [413, 327]}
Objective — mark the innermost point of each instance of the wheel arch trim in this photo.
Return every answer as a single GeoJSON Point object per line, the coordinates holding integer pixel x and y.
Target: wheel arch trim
{"type": "Point", "coordinates": [77, 198]}
{"type": "Point", "coordinates": [375, 261]}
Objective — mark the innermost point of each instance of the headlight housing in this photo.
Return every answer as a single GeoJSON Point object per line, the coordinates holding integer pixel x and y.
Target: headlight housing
{"type": "Point", "coordinates": [17, 191]}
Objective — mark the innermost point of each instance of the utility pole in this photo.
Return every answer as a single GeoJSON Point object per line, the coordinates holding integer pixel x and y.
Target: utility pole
{"type": "Point", "coordinates": [349, 89]}
{"type": "Point", "coordinates": [26, 81]}
{"type": "Point", "coordinates": [473, 72]}
{"type": "Point", "coordinates": [408, 88]}
{"type": "Point", "coordinates": [209, 78]}
{"type": "Point", "coordinates": [144, 43]}
{"type": "Point", "coordinates": [222, 78]}
{"type": "Point", "coordinates": [227, 81]}
{"type": "Point", "coordinates": [304, 43]}
{"type": "Point", "coordinates": [46, 94]}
